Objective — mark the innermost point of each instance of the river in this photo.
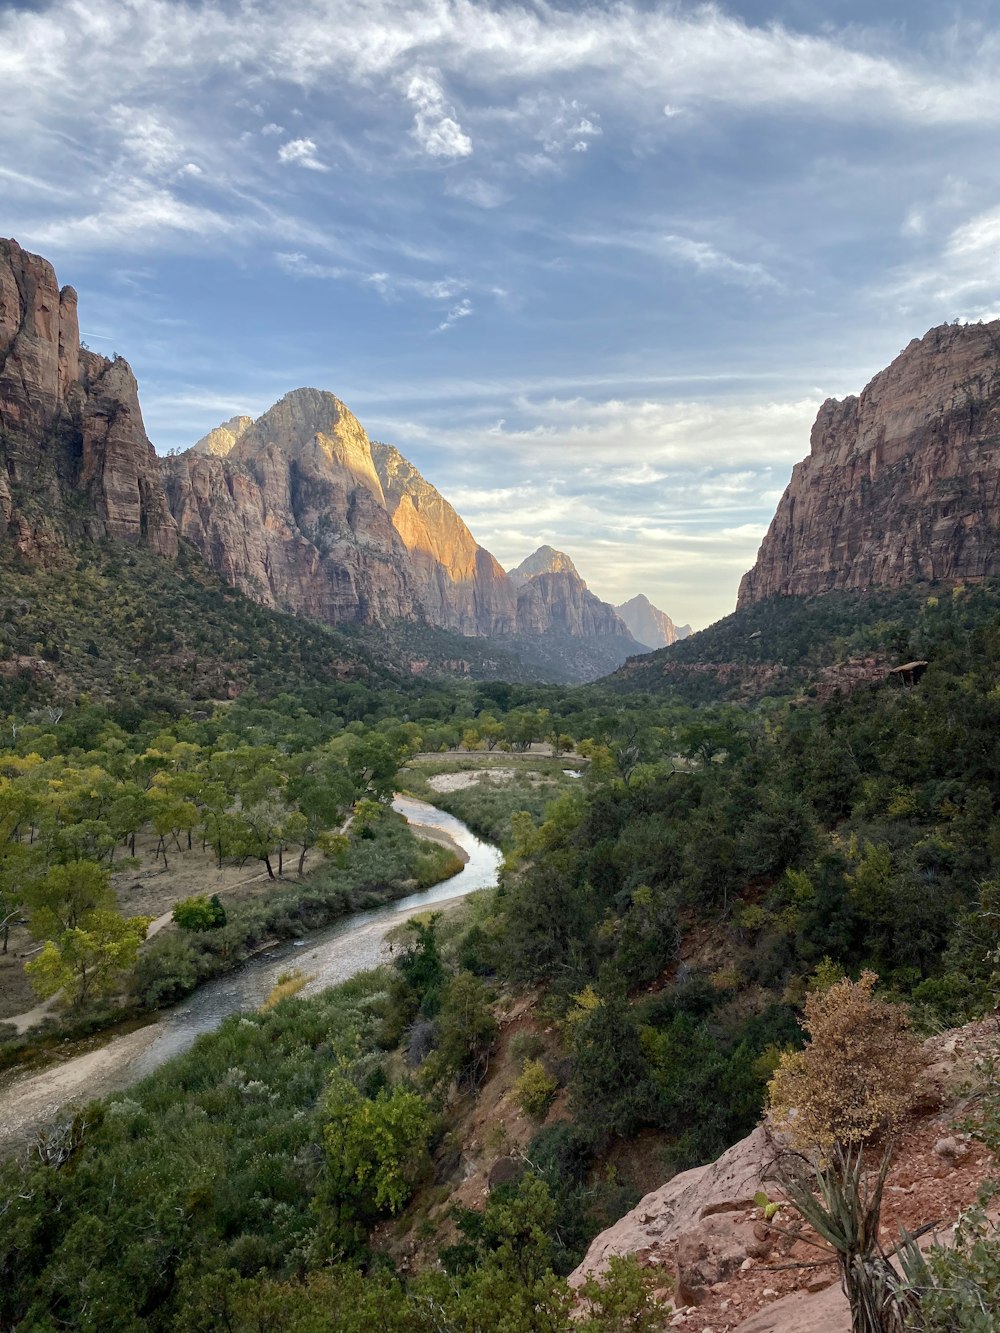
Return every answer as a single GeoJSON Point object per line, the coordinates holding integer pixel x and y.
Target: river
{"type": "Point", "coordinates": [358, 942]}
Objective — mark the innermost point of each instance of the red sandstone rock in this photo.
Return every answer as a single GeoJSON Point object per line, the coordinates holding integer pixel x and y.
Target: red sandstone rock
{"type": "Point", "coordinates": [902, 483]}
{"type": "Point", "coordinates": [70, 423]}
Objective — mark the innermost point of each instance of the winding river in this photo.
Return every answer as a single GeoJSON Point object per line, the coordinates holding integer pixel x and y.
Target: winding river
{"type": "Point", "coordinates": [358, 942]}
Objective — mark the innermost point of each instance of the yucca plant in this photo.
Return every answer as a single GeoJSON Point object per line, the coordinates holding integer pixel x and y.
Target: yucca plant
{"type": "Point", "coordinates": [842, 1201]}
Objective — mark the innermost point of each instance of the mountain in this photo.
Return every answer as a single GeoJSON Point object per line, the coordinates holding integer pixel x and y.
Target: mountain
{"type": "Point", "coordinates": [902, 483]}
{"type": "Point", "coordinates": [461, 586]}
{"type": "Point", "coordinates": [546, 560]}
{"type": "Point", "coordinates": [649, 624]}
{"type": "Point", "coordinates": [301, 511]}
{"type": "Point", "coordinates": [75, 461]}
{"type": "Point", "coordinates": [298, 509]}
{"type": "Point", "coordinates": [294, 514]}
{"type": "Point", "coordinates": [551, 595]}
{"type": "Point", "coordinates": [218, 443]}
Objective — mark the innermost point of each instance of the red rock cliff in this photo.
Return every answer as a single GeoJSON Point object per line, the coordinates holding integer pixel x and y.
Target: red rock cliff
{"type": "Point", "coordinates": [70, 426]}
{"type": "Point", "coordinates": [902, 483]}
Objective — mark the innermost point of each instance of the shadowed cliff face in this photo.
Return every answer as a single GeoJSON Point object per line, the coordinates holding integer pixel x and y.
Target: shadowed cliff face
{"type": "Point", "coordinates": [902, 483]}
{"type": "Point", "coordinates": [70, 427]}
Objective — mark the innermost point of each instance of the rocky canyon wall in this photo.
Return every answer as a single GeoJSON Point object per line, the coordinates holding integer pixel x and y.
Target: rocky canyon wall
{"type": "Point", "coordinates": [901, 483]}
{"type": "Point", "coordinates": [70, 427]}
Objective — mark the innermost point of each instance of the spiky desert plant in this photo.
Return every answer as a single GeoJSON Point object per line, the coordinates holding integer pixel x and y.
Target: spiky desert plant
{"type": "Point", "coordinates": [847, 1090]}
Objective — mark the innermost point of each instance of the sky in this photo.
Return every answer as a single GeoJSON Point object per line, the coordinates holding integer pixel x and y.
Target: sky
{"type": "Point", "coordinates": [592, 268]}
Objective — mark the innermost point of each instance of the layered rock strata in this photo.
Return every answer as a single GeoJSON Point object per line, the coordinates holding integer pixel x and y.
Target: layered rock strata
{"type": "Point", "coordinates": [461, 586]}
{"type": "Point", "coordinates": [294, 514]}
{"type": "Point", "coordinates": [902, 483]}
{"type": "Point", "coordinates": [70, 427]}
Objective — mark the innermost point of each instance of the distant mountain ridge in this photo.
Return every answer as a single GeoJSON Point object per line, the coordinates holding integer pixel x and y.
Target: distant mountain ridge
{"type": "Point", "coordinates": [649, 624]}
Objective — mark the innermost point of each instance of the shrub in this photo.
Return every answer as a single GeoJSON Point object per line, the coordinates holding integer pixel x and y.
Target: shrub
{"type": "Point", "coordinates": [535, 1089]}
{"type": "Point", "coordinates": [854, 1080]}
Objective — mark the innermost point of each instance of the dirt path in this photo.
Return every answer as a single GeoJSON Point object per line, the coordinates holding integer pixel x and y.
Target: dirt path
{"type": "Point", "coordinates": [32, 1099]}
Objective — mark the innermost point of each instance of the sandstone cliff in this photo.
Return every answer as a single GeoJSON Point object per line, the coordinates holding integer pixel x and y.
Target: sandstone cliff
{"type": "Point", "coordinates": [649, 624]}
{"type": "Point", "coordinates": [70, 427]}
{"type": "Point", "coordinates": [294, 514]}
{"type": "Point", "coordinates": [546, 560]}
{"type": "Point", "coordinates": [461, 586]}
{"type": "Point", "coordinates": [219, 442]}
{"type": "Point", "coordinates": [552, 597]}
{"type": "Point", "coordinates": [901, 483]}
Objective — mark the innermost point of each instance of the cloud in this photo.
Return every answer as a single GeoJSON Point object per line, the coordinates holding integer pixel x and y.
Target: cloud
{"type": "Point", "coordinates": [149, 141]}
{"type": "Point", "coordinates": [959, 276]}
{"type": "Point", "coordinates": [139, 217]}
{"type": "Point", "coordinates": [475, 190]}
{"type": "Point", "coordinates": [301, 153]}
{"type": "Point", "coordinates": [707, 259]}
{"type": "Point", "coordinates": [457, 312]}
{"type": "Point", "coordinates": [434, 125]}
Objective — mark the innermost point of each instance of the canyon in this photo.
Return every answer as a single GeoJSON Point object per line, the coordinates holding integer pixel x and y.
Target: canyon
{"type": "Point", "coordinates": [298, 509]}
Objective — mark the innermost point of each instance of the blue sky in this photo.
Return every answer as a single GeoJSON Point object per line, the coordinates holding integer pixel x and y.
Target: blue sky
{"type": "Point", "coordinates": [592, 268]}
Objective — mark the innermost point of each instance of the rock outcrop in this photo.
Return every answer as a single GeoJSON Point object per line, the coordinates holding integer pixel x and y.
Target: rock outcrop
{"type": "Point", "coordinates": [552, 597]}
{"type": "Point", "coordinates": [546, 560]}
{"type": "Point", "coordinates": [902, 483]}
{"type": "Point", "coordinates": [218, 443]}
{"type": "Point", "coordinates": [649, 625]}
{"type": "Point", "coordinates": [460, 585]}
{"type": "Point", "coordinates": [70, 427]}
{"type": "Point", "coordinates": [294, 514]}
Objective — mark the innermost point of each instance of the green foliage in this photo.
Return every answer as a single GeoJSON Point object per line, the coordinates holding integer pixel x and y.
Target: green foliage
{"type": "Point", "coordinates": [375, 1151]}
{"type": "Point", "coordinates": [535, 1089]}
{"type": "Point", "coordinates": [200, 913]}
{"type": "Point", "coordinates": [90, 959]}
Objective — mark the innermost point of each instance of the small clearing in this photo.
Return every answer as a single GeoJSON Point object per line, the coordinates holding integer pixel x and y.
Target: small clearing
{"type": "Point", "coordinates": [460, 781]}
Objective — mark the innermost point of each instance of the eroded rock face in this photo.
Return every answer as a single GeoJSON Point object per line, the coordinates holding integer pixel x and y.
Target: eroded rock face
{"type": "Point", "coordinates": [552, 597]}
{"type": "Point", "coordinates": [461, 586]}
{"type": "Point", "coordinates": [683, 1203]}
{"type": "Point", "coordinates": [218, 443]}
{"type": "Point", "coordinates": [294, 515]}
{"type": "Point", "coordinates": [649, 625]}
{"type": "Point", "coordinates": [546, 560]}
{"type": "Point", "coordinates": [901, 483]}
{"type": "Point", "coordinates": [70, 426]}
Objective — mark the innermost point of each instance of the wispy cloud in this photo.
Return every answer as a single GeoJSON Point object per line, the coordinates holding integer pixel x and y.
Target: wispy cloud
{"type": "Point", "coordinates": [706, 258]}
{"type": "Point", "coordinates": [301, 153]}
{"type": "Point", "coordinates": [461, 311]}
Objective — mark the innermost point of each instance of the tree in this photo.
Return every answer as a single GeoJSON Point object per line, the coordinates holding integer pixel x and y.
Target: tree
{"type": "Point", "coordinates": [200, 913]}
{"type": "Point", "coordinates": [375, 1151]}
{"type": "Point", "coordinates": [89, 959]}
{"type": "Point", "coordinates": [60, 900]}
{"type": "Point", "coordinates": [853, 1082]}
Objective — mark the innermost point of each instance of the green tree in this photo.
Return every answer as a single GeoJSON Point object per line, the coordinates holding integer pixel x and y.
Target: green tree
{"type": "Point", "coordinates": [90, 959]}
{"type": "Point", "coordinates": [62, 898]}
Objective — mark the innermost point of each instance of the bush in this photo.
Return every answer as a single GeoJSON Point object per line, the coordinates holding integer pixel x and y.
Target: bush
{"type": "Point", "coordinates": [854, 1080]}
{"type": "Point", "coordinates": [535, 1089]}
